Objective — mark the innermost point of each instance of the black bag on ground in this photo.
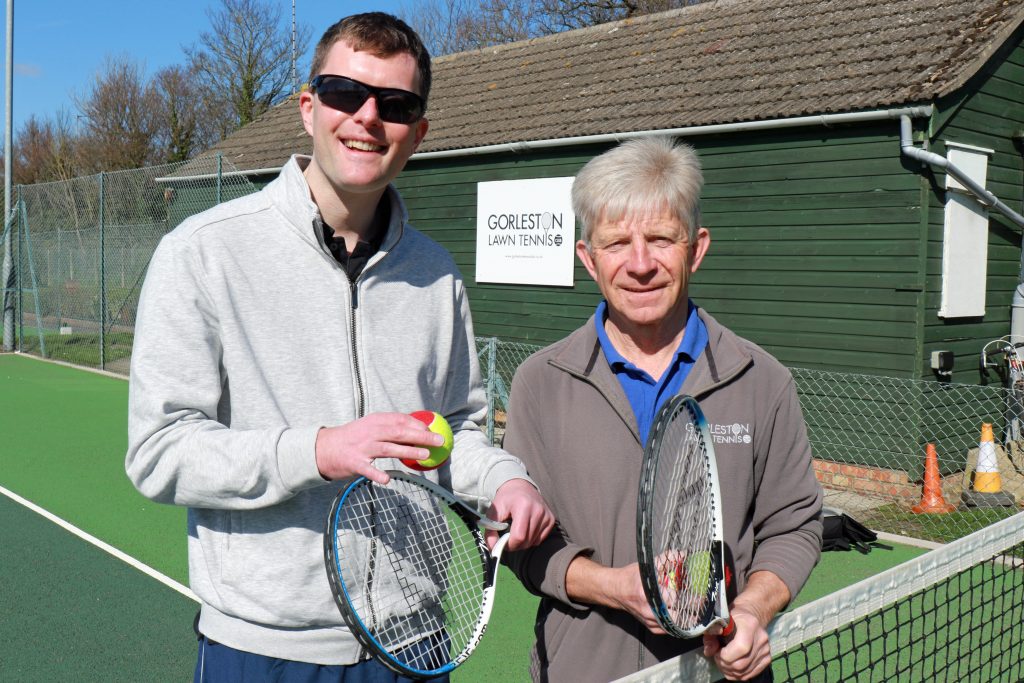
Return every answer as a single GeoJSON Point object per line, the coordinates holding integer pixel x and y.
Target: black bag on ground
{"type": "Point", "coordinates": [843, 532]}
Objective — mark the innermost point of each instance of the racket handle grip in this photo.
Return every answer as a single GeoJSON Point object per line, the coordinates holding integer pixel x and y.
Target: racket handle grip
{"type": "Point", "coordinates": [727, 633]}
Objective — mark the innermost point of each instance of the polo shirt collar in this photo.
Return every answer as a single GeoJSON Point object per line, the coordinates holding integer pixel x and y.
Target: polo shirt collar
{"type": "Point", "coordinates": [693, 342]}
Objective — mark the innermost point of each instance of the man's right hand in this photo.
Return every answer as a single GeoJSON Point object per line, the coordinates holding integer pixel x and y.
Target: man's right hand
{"type": "Point", "coordinates": [350, 449]}
{"type": "Point", "coordinates": [633, 599]}
{"type": "Point", "coordinates": [616, 587]}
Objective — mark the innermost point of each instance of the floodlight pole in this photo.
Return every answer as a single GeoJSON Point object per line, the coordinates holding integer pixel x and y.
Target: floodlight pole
{"type": "Point", "coordinates": [7, 271]}
{"type": "Point", "coordinates": [295, 75]}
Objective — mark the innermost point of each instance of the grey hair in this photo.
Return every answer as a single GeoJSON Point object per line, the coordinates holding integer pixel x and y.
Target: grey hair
{"type": "Point", "coordinates": [643, 176]}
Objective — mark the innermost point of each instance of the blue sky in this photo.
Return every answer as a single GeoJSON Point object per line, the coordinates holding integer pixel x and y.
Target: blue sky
{"type": "Point", "coordinates": [60, 45]}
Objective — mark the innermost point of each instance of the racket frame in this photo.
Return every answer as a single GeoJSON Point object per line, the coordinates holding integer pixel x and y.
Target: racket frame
{"type": "Point", "coordinates": [645, 522]}
{"type": "Point", "coordinates": [491, 559]}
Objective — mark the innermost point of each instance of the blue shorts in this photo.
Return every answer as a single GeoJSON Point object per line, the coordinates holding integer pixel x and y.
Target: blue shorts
{"type": "Point", "coordinates": [219, 663]}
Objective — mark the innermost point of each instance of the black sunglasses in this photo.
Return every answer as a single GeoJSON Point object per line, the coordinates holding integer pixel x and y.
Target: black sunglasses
{"type": "Point", "coordinates": [348, 95]}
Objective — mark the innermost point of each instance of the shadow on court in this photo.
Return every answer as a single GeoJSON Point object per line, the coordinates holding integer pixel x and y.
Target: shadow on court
{"type": "Point", "coordinates": [71, 612]}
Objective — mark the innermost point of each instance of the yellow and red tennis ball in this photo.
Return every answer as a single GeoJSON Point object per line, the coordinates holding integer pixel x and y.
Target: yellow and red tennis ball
{"type": "Point", "coordinates": [438, 454]}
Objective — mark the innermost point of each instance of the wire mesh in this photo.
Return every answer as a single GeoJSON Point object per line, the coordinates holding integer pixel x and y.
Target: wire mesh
{"type": "Point", "coordinates": [871, 436]}
{"type": "Point", "coordinates": [82, 249]}
{"type": "Point", "coordinates": [953, 614]}
{"type": "Point", "coordinates": [498, 363]}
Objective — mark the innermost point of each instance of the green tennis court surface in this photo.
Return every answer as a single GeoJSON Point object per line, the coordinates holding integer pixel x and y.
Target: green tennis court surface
{"type": "Point", "coordinates": [62, 441]}
{"type": "Point", "coordinates": [72, 612]}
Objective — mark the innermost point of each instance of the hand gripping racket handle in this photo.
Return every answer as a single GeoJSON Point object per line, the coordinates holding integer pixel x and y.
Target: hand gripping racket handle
{"type": "Point", "coordinates": [730, 590]}
{"type": "Point", "coordinates": [728, 632]}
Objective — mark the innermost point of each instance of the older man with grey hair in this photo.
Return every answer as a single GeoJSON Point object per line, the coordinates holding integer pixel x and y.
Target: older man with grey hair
{"type": "Point", "coordinates": [581, 410]}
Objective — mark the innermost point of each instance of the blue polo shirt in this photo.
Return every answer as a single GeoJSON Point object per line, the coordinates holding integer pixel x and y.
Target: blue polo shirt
{"type": "Point", "coordinates": [645, 393]}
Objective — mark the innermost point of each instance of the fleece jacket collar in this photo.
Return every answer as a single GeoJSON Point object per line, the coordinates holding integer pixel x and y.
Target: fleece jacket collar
{"type": "Point", "coordinates": [290, 195]}
{"type": "Point", "coordinates": [722, 361]}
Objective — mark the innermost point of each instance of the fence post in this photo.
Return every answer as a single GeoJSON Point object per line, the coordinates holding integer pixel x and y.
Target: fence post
{"type": "Point", "coordinates": [23, 222]}
{"type": "Point", "coordinates": [103, 284]}
{"type": "Point", "coordinates": [7, 281]}
{"type": "Point", "coordinates": [220, 169]}
{"type": "Point", "coordinates": [492, 352]}
{"type": "Point", "coordinates": [21, 290]}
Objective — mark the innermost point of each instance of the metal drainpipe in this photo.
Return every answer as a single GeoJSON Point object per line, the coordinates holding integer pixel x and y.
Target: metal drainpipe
{"type": "Point", "coordinates": [986, 199]}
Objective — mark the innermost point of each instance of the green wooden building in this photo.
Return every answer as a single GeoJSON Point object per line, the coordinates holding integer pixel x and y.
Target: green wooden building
{"type": "Point", "coordinates": [832, 135]}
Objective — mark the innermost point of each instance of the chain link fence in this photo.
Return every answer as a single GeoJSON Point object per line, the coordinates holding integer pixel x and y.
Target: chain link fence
{"type": "Point", "coordinates": [870, 437]}
{"type": "Point", "coordinates": [906, 456]}
{"type": "Point", "coordinates": [498, 363]}
{"type": "Point", "coordinates": [81, 249]}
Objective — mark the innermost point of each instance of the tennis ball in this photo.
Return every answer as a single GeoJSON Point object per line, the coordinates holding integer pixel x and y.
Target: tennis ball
{"type": "Point", "coordinates": [698, 568]}
{"type": "Point", "coordinates": [438, 454]}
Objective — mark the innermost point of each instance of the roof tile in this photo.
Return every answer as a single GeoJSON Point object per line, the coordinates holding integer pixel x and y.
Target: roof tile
{"type": "Point", "coordinates": [716, 62]}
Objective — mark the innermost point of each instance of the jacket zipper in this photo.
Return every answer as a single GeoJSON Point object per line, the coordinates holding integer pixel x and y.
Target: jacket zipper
{"type": "Point", "coordinates": [360, 393]}
{"type": "Point", "coordinates": [353, 287]}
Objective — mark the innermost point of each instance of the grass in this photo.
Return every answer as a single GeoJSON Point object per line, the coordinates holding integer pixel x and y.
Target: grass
{"type": "Point", "coordinates": [80, 348]}
{"type": "Point", "coordinates": [899, 519]}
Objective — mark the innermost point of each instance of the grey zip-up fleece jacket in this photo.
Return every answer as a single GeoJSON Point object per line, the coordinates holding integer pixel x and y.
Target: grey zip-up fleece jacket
{"type": "Point", "coordinates": [249, 338]}
{"type": "Point", "coordinates": [571, 423]}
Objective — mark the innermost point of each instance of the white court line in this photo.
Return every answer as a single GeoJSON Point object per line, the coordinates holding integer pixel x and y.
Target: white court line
{"type": "Point", "coordinates": [908, 540]}
{"type": "Point", "coordinates": [68, 526]}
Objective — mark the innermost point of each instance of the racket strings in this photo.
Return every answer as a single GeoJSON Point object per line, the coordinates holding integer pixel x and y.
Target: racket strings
{"type": "Point", "coordinates": [684, 524]}
{"type": "Point", "coordinates": [417, 587]}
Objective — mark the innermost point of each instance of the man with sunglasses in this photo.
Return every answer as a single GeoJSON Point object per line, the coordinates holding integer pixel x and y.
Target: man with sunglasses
{"type": "Point", "coordinates": [282, 339]}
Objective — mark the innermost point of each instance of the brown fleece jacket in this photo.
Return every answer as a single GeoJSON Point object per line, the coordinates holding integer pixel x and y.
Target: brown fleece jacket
{"type": "Point", "coordinates": [570, 422]}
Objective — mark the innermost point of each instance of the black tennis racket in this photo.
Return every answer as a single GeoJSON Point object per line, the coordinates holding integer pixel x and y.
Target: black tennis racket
{"type": "Point", "coordinates": [410, 572]}
{"type": "Point", "coordinates": [679, 524]}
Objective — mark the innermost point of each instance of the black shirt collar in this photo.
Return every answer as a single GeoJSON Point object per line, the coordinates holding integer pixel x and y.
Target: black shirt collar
{"type": "Point", "coordinates": [354, 262]}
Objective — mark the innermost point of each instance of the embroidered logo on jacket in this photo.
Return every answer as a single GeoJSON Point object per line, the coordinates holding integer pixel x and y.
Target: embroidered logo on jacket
{"type": "Point", "coordinates": [734, 433]}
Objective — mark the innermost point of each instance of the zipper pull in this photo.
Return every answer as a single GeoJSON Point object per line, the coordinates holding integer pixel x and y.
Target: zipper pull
{"type": "Point", "coordinates": [355, 295]}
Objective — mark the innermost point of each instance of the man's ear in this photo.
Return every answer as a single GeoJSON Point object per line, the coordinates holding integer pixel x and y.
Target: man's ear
{"type": "Point", "coordinates": [421, 130]}
{"type": "Point", "coordinates": [586, 258]}
{"type": "Point", "coordinates": [699, 248]}
{"type": "Point", "coordinates": [306, 110]}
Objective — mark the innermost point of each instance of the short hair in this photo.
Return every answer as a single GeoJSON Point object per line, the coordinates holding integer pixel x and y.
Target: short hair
{"type": "Point", "coordinates": [641, 176]}
{"type": "Point", "coordinates": [380, 34]}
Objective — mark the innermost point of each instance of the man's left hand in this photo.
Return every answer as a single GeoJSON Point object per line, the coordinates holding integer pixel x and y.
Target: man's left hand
{"type": "Point", "coordinates": [746, 654]}
{"type": "Point", "coordinates": [517, 500]}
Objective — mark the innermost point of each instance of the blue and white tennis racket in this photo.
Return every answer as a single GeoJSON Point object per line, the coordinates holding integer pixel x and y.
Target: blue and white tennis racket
{"type": "Point", "coordinates": [680, 547]}
{"type": "Point", "coordinates": [410, 572]}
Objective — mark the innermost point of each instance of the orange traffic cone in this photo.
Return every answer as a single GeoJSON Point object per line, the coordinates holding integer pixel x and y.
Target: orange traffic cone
{"type": "Point", "coordinates": [986, 484]}
{"type": "Point", "coordinates": [931, 499]}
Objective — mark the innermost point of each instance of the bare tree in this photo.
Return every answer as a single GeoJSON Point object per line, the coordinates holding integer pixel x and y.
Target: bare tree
{"type": "Point", "coordinates": [244, 61]}
{"type": "Point", "coordinates": [438, 23]}
{"type": "Point", "coordinates": [448, 26]}
{"type": "Point", "coordinates": [454, 25]}
{"type": "Point", "coordinates": [564, 15]}
{"type": "Point", "coordinates": [45, 150]}
{"type": "Point", "coordinates": [503, 21]}
{"type": "Point", "coordinates": [184, 126]}
{"type": "Point", "coordinates": [119, 116]}
{"type": "Point", "coordinates": [32, 161]}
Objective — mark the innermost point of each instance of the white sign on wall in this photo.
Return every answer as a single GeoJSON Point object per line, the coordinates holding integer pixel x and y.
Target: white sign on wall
{"type": "Point", "coordinates": [964, 237]}
{"type": "Point", "coordinates": [525, 232]}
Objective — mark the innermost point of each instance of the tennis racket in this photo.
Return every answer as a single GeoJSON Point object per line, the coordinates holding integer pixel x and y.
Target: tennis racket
{"type": "Point", "coordinates": [410, 572]}
{"type": "Point", "coordinates": [679, 524]}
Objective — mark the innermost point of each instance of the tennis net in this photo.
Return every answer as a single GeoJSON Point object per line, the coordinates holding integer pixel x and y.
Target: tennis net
{"type": "Point", "coordinates": [953, 614]}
